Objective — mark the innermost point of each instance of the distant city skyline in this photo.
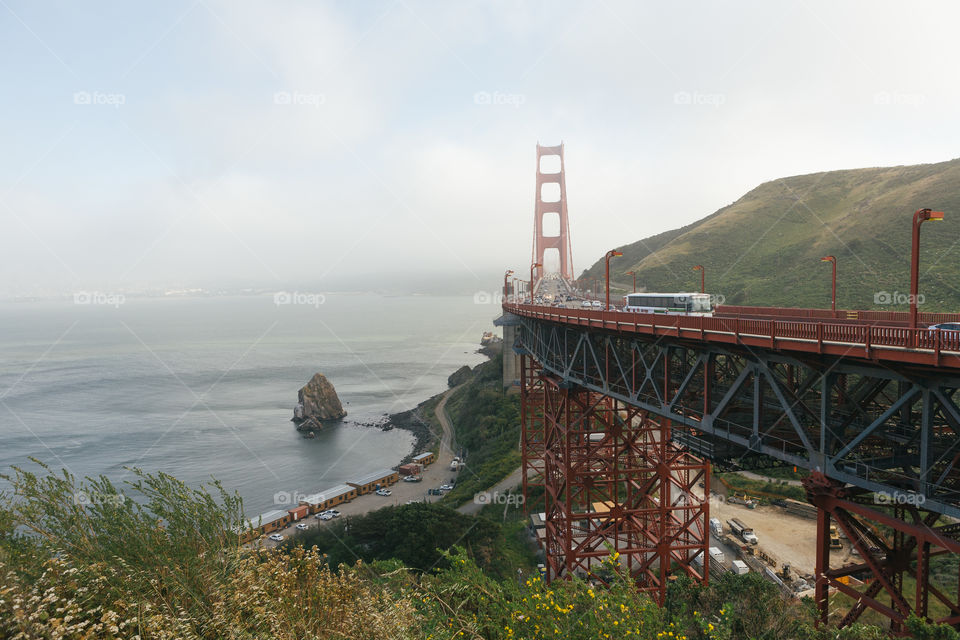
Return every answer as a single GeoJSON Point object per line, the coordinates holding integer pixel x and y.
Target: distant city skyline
{"type": "Point", "coordinates": [237, 144]}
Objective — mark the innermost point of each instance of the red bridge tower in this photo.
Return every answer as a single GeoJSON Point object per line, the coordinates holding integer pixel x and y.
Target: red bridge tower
{"type": "Point", "coordinates": [560, 242]}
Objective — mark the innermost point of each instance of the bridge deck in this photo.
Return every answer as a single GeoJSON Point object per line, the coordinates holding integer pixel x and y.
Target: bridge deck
{"type": "Point", "coordinates": [865, 340]}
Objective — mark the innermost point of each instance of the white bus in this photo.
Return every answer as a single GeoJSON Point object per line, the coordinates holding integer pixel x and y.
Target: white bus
{"type": "Point", "coordinates": [693, 304]}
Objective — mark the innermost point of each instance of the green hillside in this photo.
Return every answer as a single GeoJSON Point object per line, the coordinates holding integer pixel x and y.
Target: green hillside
{"type": "Point", "coordinates": [765, 248]}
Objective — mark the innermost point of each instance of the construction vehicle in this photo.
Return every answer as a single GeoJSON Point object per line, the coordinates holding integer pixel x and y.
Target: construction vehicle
{"type": "Point", "coordinates": [742, 531]}
{"type": "Point", "coordinates": [745, 500]}
{"type": "Point", "coordinates": [835, 542]}
{"type": "Point", "coordinates": [784, 573]}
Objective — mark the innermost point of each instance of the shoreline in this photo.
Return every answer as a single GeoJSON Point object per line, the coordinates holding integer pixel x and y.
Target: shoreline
{"type": "Point", "coordinates": [414, 420]}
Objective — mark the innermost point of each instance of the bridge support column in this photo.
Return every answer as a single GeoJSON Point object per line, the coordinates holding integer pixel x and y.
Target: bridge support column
{"type": "Point", "coordinates": [892, 540]}
{"type": "Point", "coordinates": [614, 483]}
{"type": "Point", "coordinates": [531, 427]}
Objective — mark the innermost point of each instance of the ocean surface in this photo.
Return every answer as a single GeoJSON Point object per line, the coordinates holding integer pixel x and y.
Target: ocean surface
{"type": "Point", "coordinates": [205, 387]}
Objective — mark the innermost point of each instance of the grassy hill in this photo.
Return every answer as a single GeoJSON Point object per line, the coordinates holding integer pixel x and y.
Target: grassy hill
{"type": "Point", "coordinates": [764, 249]}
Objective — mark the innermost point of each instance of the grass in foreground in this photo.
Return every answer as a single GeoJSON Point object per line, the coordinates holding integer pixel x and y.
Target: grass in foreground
{"type": "Point", "coordinates": [162, 560]}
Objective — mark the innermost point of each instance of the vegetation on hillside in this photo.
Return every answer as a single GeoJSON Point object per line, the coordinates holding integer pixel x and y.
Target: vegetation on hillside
{"type": "Point", "coordinates": [486, 423]}
{"type": "Point", "coordinates": [82, 559]}
{"type": "Point", "coordinates": [415, 534]}
{"type": "Point", "coordinates": [764, 489]}
{"type": "Point", "coordinates": [764, 249]}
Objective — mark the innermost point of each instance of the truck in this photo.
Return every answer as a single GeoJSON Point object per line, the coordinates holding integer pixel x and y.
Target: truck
{"type": "Point", "coordinates": [742, 531]}
{"type": "Point", "coordinates": [739, 567]}
{"type": "Point", "coordinates": [455, 464]}
{"type": "Point", "coordinates": [715, 527]}
{"type": "Point", "coordinates": [835, 542]}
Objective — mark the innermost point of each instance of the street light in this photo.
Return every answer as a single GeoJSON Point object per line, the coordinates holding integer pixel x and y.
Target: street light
{"type": "Point", "coordinates": [610, 254]}
{"type": "Point", "coordinates": [634, 274]}
{"type": "Point", "coordinates": [505, 276]}
{"type": "Point", "coordinates": [919, 217]}
{"type": "Point", "coordinates": [532, 267]}
{"type": "Point", "coordinates": [833, 287]}
{"type": "Point", "coordinates": [703, 277]}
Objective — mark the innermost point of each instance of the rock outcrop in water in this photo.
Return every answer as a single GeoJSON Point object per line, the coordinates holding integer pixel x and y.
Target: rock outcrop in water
{"type": "Point", "coordinates": [318, 403]}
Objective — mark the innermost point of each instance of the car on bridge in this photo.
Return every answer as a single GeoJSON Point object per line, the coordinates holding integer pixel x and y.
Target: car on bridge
{"type": "Point", "coordinates": [945, 326]}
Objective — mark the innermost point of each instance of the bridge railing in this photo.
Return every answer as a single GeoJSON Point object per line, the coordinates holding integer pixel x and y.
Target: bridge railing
{"type": "Point", "coordinates": [895, 317]}
{"type": "Point", "coordinates": [896, 342]}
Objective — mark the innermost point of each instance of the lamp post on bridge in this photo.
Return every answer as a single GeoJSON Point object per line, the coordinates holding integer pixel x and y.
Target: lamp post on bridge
{"type": "Point", "coordinates": [610, 254]}
{"type": "Point", "coordinates": [919, 217]}
{"type": "Point", "coordinates": [505, 289]}
{"type": "Point", "coordinates": [833, 281]}
{"type": "Point", "coordinates": [532, 267]}
{"type": "Point", "coordinates": [703, 277]}
{"type": "Point", "coordinates": [634, 274]}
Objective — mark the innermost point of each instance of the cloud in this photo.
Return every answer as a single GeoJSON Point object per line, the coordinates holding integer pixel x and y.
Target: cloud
{"type": "Point", "coordinates": [278, 142]}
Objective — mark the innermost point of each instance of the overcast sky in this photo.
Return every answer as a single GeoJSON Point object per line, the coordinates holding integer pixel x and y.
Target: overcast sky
{"type": "Point", "coordinates": [275, 144]}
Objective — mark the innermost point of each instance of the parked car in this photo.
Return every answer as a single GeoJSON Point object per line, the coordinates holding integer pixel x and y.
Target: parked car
{"type": "Point", "coordinates": [412, 478]}
{"type": "Point", "coordinates": [276, 537]}
{"type": "Point", "coordinates": [303, 526]}
{"type": "Point", "coordinates": [323, 516]}
{"type": "Point", "coordinates": [446, 487]}
{"type": "Point", "coordinates": [383, 492]}
{"type": "Point", "coordinates": [334, 513]}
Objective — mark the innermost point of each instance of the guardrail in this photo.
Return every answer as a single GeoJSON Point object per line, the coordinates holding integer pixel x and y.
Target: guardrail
{"type": "Point", "coordinates": [868, 341]}
{"type": "Point", "coordinates": [840, 314]}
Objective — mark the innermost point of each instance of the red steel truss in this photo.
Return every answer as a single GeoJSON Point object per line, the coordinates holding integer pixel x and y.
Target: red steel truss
{"type": "Point", "coordinates": [531, 426]}
{"type": "Point", "coordinates": [877, 582]}
{"type": "Point", "coordinates": [612, 477]}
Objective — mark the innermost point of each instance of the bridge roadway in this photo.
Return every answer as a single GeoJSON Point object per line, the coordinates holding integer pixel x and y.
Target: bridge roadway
{"type": "Point", "coordinates": [864, 339]}
{"type": "Point", "coordinates": [866, 403]}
